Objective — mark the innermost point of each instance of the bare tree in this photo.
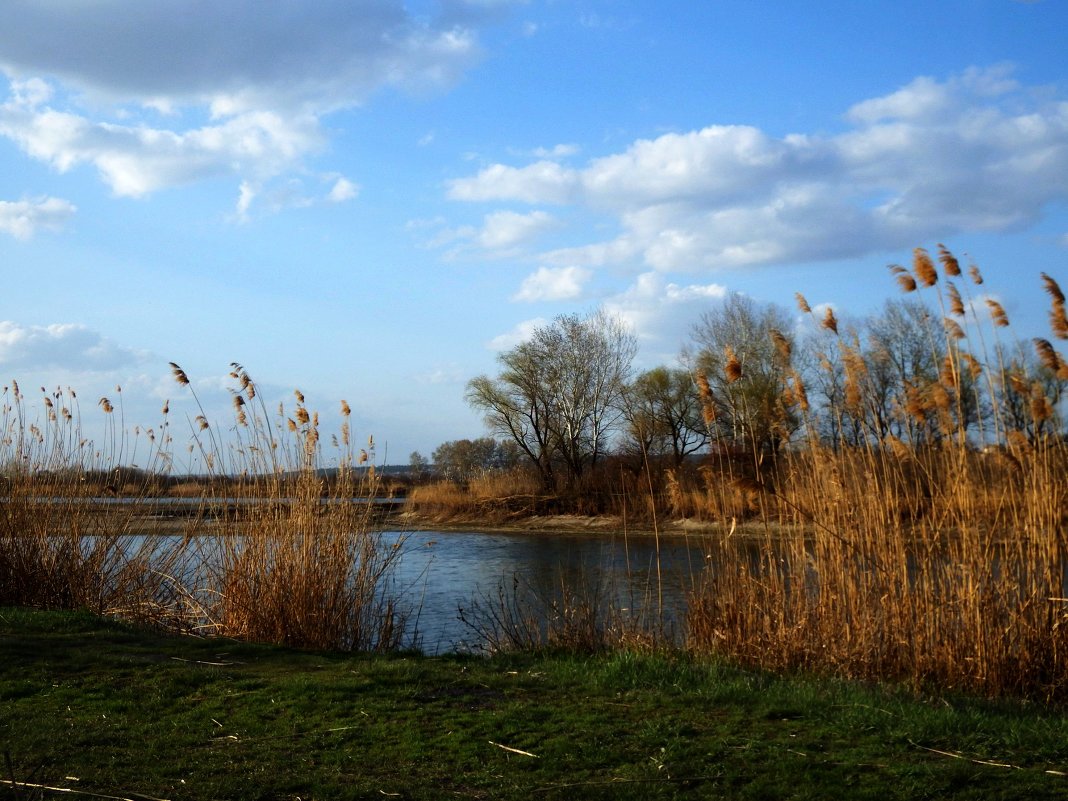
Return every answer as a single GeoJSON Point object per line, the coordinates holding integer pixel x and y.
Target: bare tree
{"type": "Point", "coordinates": [558, 394]}
{"type": "Point", "coordinates": [663, 411]}
{"type": "Point", "coordinates": [743, 350]}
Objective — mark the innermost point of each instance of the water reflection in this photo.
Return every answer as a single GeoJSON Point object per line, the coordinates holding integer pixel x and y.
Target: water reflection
{"type": "Point", "coordinates": [440, 572]}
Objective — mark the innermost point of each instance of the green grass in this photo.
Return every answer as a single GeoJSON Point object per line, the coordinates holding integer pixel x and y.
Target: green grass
{"type": "Point", "coordinates": [134, 714]}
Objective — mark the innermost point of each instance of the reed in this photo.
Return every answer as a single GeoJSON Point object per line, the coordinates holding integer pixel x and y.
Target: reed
{"type": "Point", "coordinates": [576, 614]}
{"type": "Point", "coordinates": [267, 549]}
{"type": "Point", "coordinates": [495, 496]}
{"type": "Point", "coordinates": [940, 559]}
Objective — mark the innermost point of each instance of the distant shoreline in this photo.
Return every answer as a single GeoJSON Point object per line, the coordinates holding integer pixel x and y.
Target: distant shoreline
{"type": "Point", "coordinates": [570, 525]}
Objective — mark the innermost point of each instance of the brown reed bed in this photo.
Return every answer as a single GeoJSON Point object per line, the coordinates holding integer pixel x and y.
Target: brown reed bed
{"type": "Point", "coordinates": [942, 561]}
{"type": "Point", "coordinates": [264, 548]}
{"type": "Point", "coordinates": [924, 539]}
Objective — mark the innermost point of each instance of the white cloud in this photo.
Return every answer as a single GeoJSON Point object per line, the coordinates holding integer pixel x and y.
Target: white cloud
{"type": "Point", "coordinates": [62, 345]}
{"type": "Point", "coordinates": [553, 283]}
{"type": "Point", "coordinates": [542, 182]}
{"type": "Point", "coordinates": [661, 313]}
{"type": "Point", "coordinates": [23, 218]}
{"type": "Point", "coordinates": [246, 194]}
{"type": "Point", "coordinates": [556, 152]}
{"type": "Point", "coordinates": [137, 160]}
{"type": "Point", "coordinates": [976, 152]}
{"type": "Point", "coordinates": [521, 333]}
{"type": "Point", "coordinates": [237, 56]}
{"type": "Point", "coordinates": [502, 234]}
{"type": "Point", "coordinates": [502, 230]}
{"type": "Point", "coordinates": [30, 93]}
{"type": "Point", "coordinates": [242, 86]}
{"type": "Point", "coordinates": [342, 190]}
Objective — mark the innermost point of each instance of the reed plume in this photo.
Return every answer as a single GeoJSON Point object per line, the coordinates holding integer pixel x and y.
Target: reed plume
{"type": "Point", "coordinates": [997, 313]}
{"type": "Point", "coordinates": [782, 345]}
{"type": "Point", "coordinates": [924, 268]}
{"type": "Point", "coordinates": [956, 304]}
{"type": "Point", "coordinates": [1049, 357]}
{"type": "Point", "coordinates": [1052, 289]}
{"type": "Point", "coordinates": [830, 322]}
{"type": "Point", "coordinates": [179, 374]}
{"type": "Point", "coordinates": [949, 262]}
{"type": "Point", "coordinates": [904, 278]}
{"type": "Point", "coordinates": [1058, 320]}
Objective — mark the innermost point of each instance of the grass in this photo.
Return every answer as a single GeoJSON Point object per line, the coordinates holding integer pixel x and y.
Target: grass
{"type": "Point", "coordinates": [103, 708]}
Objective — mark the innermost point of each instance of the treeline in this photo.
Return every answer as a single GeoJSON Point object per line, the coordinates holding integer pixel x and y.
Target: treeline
{"type": "Point", "coordinates": [933, 367]}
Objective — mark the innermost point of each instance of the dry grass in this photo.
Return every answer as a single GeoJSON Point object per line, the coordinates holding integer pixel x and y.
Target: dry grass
{"type": "Point", "coordinates": [496, 496]}
{"type": "Point", "coordinates": [263, 549]}
{"type": "Point", "coordinates": [945, 563]}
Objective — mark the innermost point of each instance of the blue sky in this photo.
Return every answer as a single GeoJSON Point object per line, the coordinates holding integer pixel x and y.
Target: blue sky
{"type": "Point", "coordinates": [367, 199]}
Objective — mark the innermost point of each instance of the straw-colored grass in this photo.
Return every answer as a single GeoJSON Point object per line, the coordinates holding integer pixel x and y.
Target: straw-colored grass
{"type": "Point", "coordinates": [944, 563]}
{"type": "Point", "coordinates": [264, 549]}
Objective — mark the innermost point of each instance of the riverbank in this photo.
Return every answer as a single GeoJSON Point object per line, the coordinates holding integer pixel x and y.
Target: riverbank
{"type": "Point", "coordinates": [99, 708]}
{"type": "Point", "coordinates": [563, 524]}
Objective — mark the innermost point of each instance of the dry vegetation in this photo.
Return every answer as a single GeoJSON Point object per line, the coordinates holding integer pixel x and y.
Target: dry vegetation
{"type": "Point", "coordinates": [945, 562]}
{"type": "Point", "coordinates": [301, 565]}
{"type": "Point", "coordinates": [931, 546]}
{"type": "Point", "coordinates": [934, 552]}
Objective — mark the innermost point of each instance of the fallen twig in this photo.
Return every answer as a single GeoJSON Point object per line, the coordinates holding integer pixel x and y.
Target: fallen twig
{"type": "Point", "coordinates": [199, 662]}
{"type": "Point", "coordinates": [514, 750]}
{"type": "Point", "coordinates": [966, 759]}
{"type": "Point", "coordinates": [15, 784]}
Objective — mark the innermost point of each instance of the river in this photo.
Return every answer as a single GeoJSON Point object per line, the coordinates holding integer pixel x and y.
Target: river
{"type": "Point", "coordinates": [442, 572]}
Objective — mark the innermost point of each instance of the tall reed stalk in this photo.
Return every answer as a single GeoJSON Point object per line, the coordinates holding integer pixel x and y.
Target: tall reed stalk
{"type": "Point", "coordinates": [268, 547]}
{"type": "Point", "coordinates": [942, 563]}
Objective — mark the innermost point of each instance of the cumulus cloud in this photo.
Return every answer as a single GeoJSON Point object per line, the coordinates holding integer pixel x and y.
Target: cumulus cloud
{"type": "Point", "coordinates": [23, 218]}
{"type": "Point", "coordinates": [520, 333]}
{"type": "Point", "coordinates": [501, 234]}
{"type": "Point", "coordinates": [541, 182]}
{"type": "Point", "coordinates": [135, 160]}
{"type": "Point", "coordinates": [661, 312]}
{"type": "Point", "coordinates": [237, 56]}
{"type": "Point", "coordinates": [975, 152]}
{"type": "Point", "coordinates": [241, 86]}
{"type": "Point", "coordinates": [63, 345]}
{"type": "Point", "coordinates": [553, 283]}
{"type": "Point", "coordinates": [342, 190]}
{"type": "Point", "coordinates": [503, 230]}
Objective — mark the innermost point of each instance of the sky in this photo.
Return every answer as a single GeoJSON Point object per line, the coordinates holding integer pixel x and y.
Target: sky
{"type": "Point", "coordinates": [369, 199]}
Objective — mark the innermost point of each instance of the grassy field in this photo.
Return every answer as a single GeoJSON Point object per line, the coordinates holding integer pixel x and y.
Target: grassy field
{"type": "Point", "coordinates": [106, 710]}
